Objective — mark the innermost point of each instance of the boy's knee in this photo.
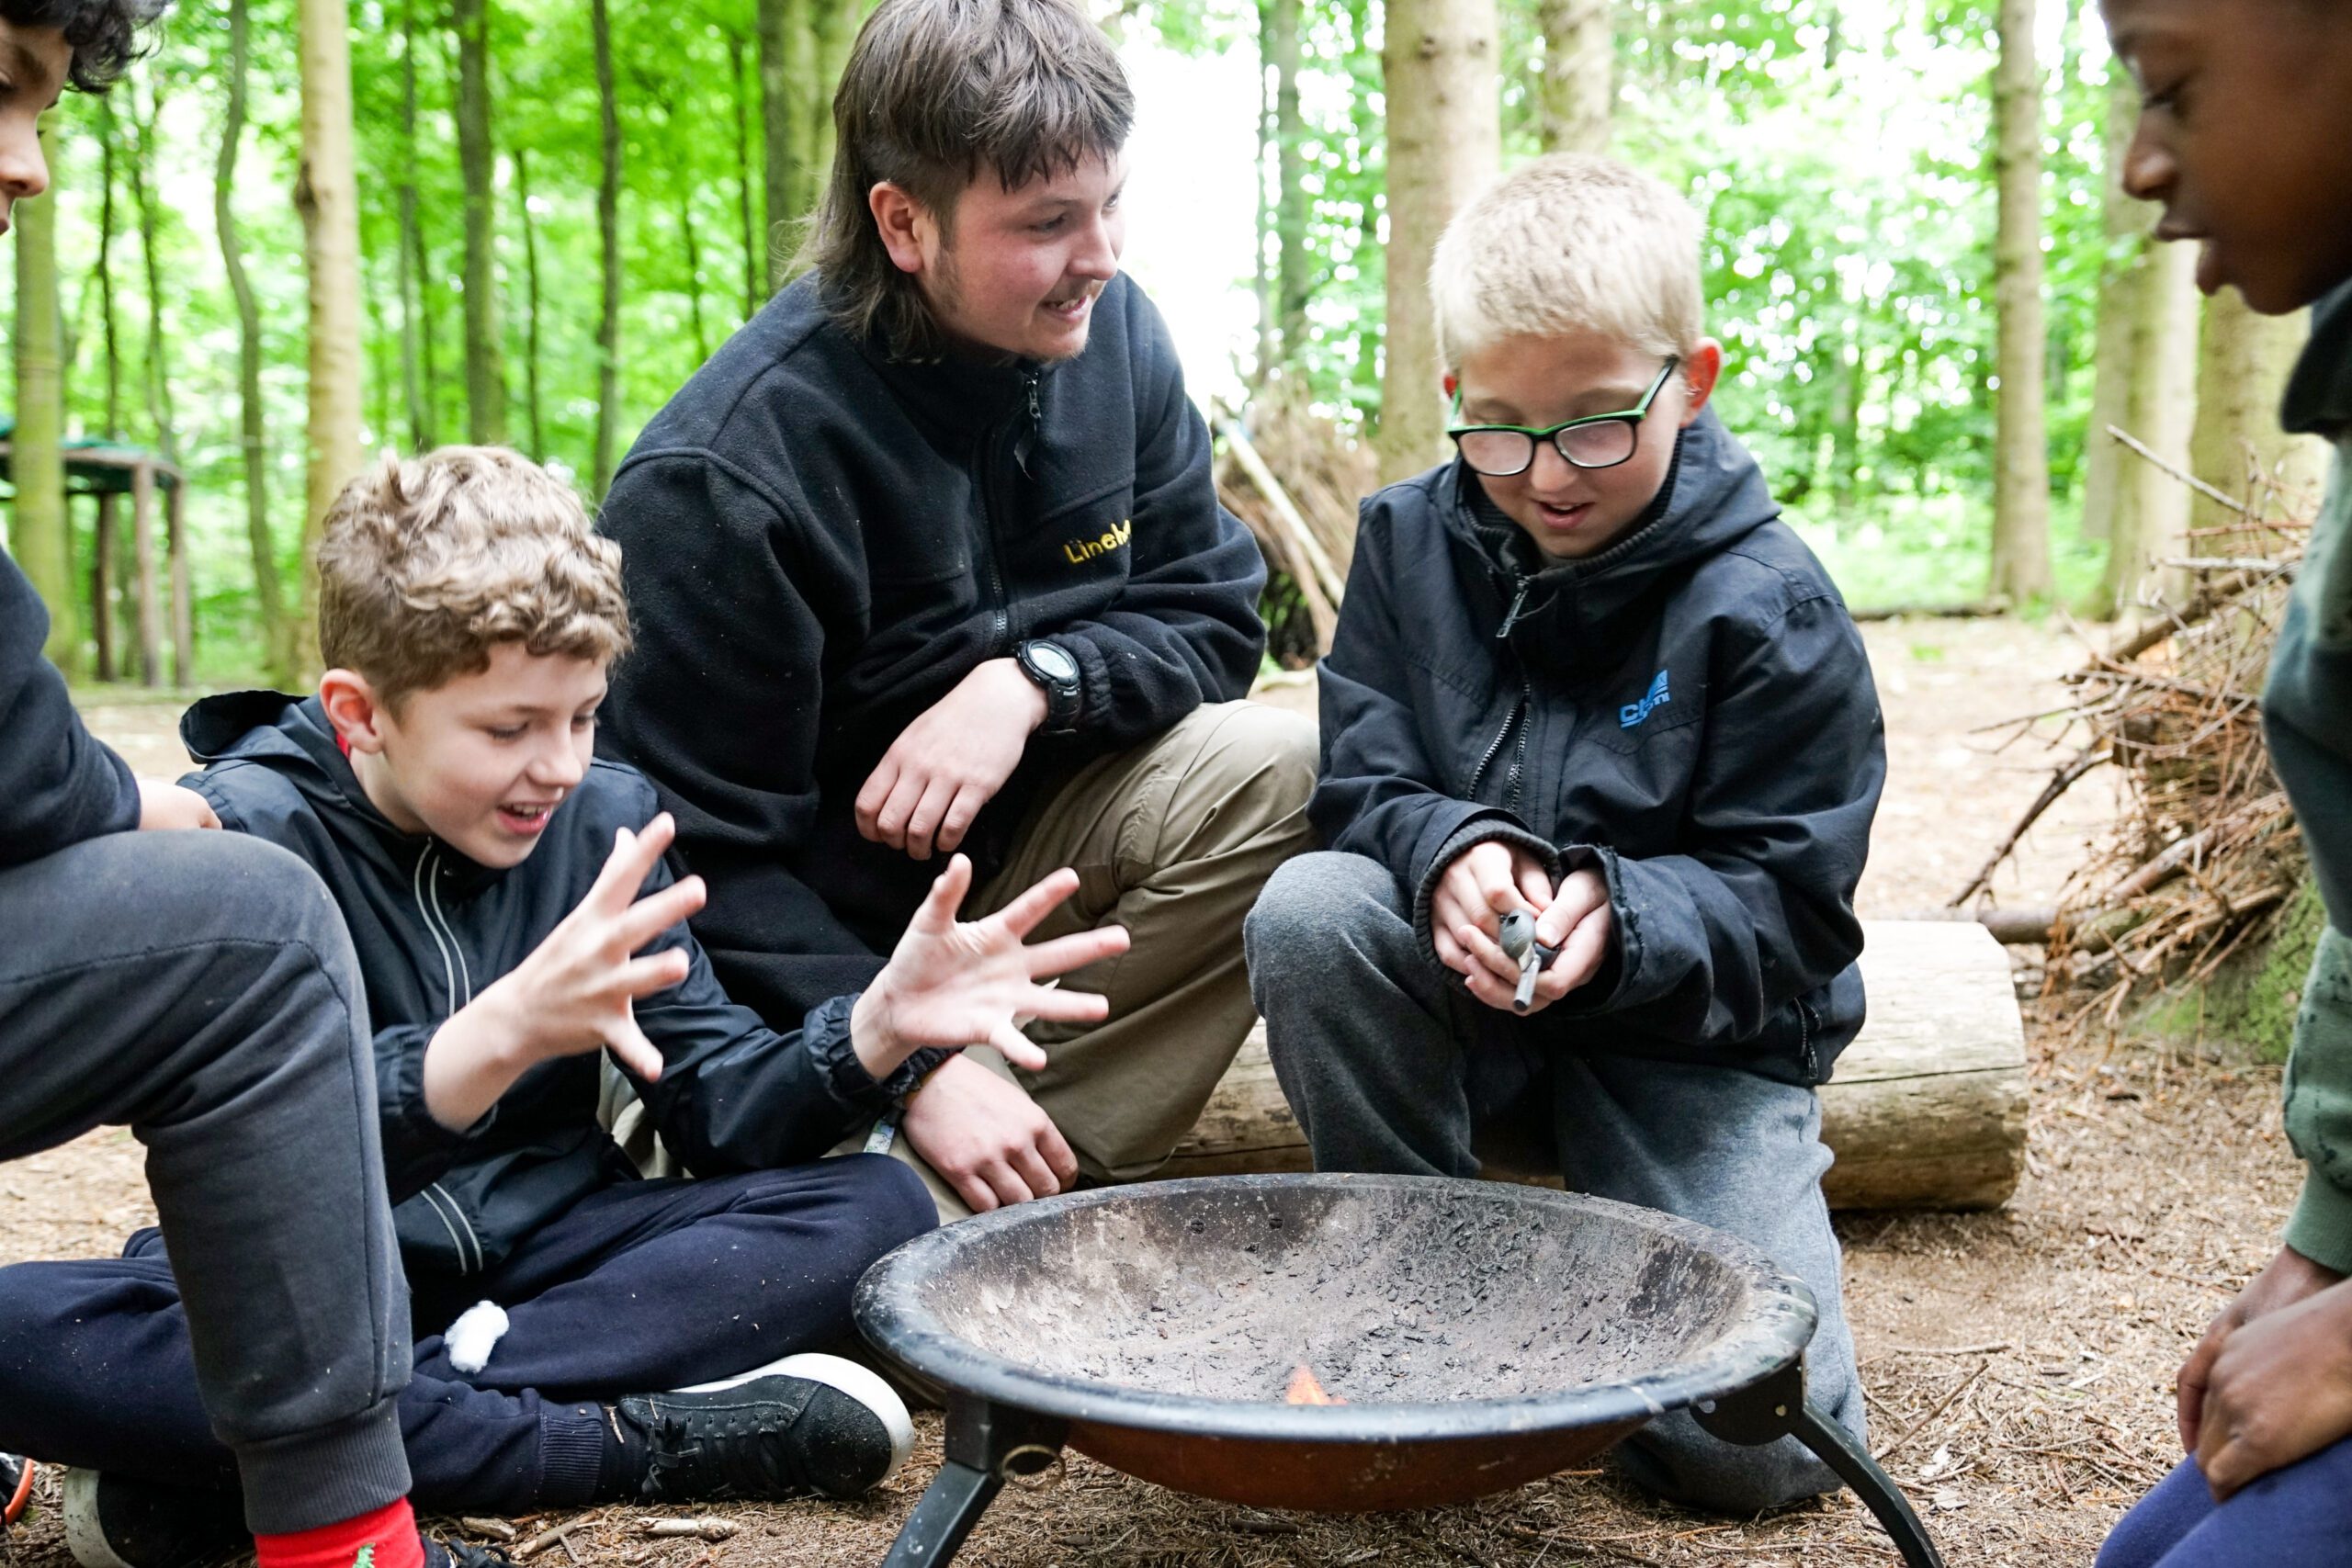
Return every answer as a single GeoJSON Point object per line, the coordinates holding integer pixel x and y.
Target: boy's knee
{"type": "Point", "coordinates": [1258, 760]}
{"type": "Point", "coordinates": [898, 1207]}
{"type": "Point", "coordinates": [1316, 915]}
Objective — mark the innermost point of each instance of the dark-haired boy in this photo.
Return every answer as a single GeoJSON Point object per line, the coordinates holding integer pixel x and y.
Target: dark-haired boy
{"type": "Point", "coordinates": [1586, 676]}
{"type": "Point", "coordinates": [929, 557]}
{"type": "Point", "coordinates": [200, 989]}
{"type": "Point", "coordinates": [585, 1335]}
{"type": "Point", "coordinates": [2245, 136]}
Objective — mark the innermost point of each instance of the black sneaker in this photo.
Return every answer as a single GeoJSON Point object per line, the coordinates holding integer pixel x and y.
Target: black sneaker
{"type": "Point", "coordinates": [463, 1555]}
{"type": "Point", "coordinates": [16, 1486]}
{"type": "Point", "coordinates": [807, 1422]}
{"type": "Point", "coordinates": [118, 1521]}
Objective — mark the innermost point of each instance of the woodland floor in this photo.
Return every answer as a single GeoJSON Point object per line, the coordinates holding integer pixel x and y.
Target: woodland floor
{"type": "Point", "coordinates": [2020, 1363]}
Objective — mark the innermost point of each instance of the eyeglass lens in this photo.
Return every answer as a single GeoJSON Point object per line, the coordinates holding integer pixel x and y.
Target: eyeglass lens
{"type": "Point", "coordinates": [1504, 451]}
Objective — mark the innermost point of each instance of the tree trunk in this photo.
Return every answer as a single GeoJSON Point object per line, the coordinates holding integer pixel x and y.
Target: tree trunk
{"type": "Point", "coordinates": [160, 411]}
{"type": "Point", "coordinates": [1265, 260]}
{"type": "Point", "coordinates": [531, 304]}
{"type": "Point", "coordinates": [2151, 506]}
{"type": "Point", "coordinates": [1294, 267]}
{"type": "Point", "coordinates": [485, 341]}
{"type": "Point", "coordinates": [105, 568]}
{"type": "Point", "coordinates": [2124, 222]}
{"type": "Point", "coordinates": [836, 23]}
{"type": "Point", "coordinates": [326, 194]}
{"type": "Point", "coordinates": [2021, 568]}
{"type": "Point", "coordinates": [755, 262]}
{"type": "Point", "coordinates": [39, 533]}
{"type": "Point", "coordinates": [2237, 447]}
{"type": "Point", "coordinates": [1445, 141]}
{"type": "Point", "coordinates": [608, 226]}
{"type": "Point", "coordinates": [691, 244]}
{"type": "Point", "coordinates": [416, 326]}
{"type": "Point", "coordinates": [1580, 75]}
{"type": "Point", "coordinates": [283, 661]}
{"type": "Point", "coordinates": [102, 573]}
{"type": "Point", "coordinates": [787, 65]}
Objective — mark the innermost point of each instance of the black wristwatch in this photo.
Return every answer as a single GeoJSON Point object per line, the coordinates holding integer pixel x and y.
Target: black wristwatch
{"type": "Point", "coordinates": [1049, 664]}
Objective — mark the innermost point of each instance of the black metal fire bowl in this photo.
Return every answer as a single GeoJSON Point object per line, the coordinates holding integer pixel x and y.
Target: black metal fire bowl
{"type": "Point", "coordinates": [1481, 1334]}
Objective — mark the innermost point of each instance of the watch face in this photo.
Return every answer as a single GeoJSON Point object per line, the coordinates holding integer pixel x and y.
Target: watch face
{"type": "Point", "coordinates": [1052, 663]}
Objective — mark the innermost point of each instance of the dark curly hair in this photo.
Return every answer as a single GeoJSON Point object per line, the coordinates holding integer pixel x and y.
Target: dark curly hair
{"type": "Point", "coordinates": [103, 34]}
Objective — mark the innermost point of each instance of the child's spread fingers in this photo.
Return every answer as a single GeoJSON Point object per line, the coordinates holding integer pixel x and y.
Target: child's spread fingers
{"type": "Point", "coordinates": [937, 912]}
{"type": "Point", "coordinates": [654, 972]}
{"type": "Point", "coordinates": [633, 1050]}
{"type": "Point", "coordinates": [1034, 903]}
{"type": "Point", "coordinates": [1016, 1047]}
{"type": "Point", "coordinates": [1076, 950]}
{"type": "Point", "coordinates": [1057, 1006]}
{"type": "Point", "coordinates": [657, 912]}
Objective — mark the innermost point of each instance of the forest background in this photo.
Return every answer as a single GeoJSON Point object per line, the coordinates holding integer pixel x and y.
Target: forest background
{"type": "Point", "coordinates": [308, 230]}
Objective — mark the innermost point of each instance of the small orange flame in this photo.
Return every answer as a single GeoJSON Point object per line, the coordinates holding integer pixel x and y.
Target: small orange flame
{"type": "Point", "coordinates": [1304, 1390]}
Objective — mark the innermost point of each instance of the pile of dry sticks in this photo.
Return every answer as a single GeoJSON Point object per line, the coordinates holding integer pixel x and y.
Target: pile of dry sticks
{"type": "Point", "coordinates": [1294, 478]}
{"type": "Point", "coordinates": [2199, 865]}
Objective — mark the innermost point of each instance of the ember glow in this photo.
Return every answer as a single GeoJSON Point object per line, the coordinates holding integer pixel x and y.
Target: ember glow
{"type": "Point", "coordinates": [1304, 1390]}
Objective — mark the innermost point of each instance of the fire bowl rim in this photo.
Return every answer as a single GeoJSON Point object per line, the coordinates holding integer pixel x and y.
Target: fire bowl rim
{"type": "Point", "coordinates": [889, 1313]}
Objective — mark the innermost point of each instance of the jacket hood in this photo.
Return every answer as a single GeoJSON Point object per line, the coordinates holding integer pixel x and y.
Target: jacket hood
{"type": "Point", "coordinates": [291, 736]}
{"type": "Point", "coordinates": [1714, 495]}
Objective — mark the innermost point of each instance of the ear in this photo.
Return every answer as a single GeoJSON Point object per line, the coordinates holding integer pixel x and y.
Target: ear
{"type": "Point", "coordinates": [904, 224]}
{"type": "Point", "coordinates": [354, 710]}
{"type": "Point", "coordinates": [1700, 370]}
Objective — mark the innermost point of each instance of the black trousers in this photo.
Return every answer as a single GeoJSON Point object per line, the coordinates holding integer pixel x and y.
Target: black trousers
{"type": "Point", "coordinates": [200, 988]}
{"type": "Point", "coordinates": [641, 1287]}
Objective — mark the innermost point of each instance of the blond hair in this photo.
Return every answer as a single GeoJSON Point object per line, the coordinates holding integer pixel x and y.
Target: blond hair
{"type": "Point", "coordinates": [1571, 242]}
{"type": "Point", "coordinates": [427, 565]}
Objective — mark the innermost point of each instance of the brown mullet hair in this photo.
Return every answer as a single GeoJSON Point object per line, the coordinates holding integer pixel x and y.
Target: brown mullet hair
{"type": "Point", "coordinates": [934, 93]}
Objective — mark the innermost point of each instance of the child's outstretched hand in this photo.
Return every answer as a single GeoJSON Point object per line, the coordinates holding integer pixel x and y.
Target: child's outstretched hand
{"type": "Point", "coordinates": [575, 993]}
{"type": "Point", "coordinates": [953, 983]}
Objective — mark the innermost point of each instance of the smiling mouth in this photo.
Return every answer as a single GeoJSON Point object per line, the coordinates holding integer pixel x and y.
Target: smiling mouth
{"type": "Point", "coordinates": [1075, 305]}
{"type": "Point", "coordinates": [527, 816]}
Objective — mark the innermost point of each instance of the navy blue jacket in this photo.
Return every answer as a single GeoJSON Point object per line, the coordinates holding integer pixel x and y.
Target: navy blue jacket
{"type": "Point", "coordinates": [822, 541]}
{"type": "Point", "coordinates": [1690, 711]}
{"type": "Point", "coordinates": [58, 785]}
{"type": "Point", "coordinates": [433, 929]}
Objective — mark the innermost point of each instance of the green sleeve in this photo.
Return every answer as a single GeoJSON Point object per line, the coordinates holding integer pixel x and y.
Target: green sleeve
{"type": "Point", "coordinates": [2319, 1106]}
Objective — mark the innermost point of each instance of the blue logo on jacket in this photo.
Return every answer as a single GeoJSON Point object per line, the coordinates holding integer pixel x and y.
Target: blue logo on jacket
{"type": "Point", "coordinates": [1633, 714]}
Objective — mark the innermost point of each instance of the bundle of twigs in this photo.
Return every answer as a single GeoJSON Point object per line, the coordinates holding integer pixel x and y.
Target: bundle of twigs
{"type": "Point", "coordinates": [1295, 477]}
{"type": "Point", "coordinates": [2206, 854]}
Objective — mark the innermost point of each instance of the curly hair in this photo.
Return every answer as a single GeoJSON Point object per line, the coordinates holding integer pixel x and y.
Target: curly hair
{"type": "Point", "coordinates": [103, 34]}
{"type": "Point", "coordinates": [427, 565]}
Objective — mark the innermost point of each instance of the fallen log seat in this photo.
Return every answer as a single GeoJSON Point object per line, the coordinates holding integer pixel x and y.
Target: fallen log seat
{"type": "Point", "coordinates": [1926, 1110]}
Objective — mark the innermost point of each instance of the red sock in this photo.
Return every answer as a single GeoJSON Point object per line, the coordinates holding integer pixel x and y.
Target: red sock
{"type": "Point", "coordinates": [388, 1538]}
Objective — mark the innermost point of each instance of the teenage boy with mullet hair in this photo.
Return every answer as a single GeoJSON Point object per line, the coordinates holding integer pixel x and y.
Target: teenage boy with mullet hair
{"type": "Point", "coordinates": [587, 1335]}
{"type": "Point", "coordinates": [1586, 676]}
{"type": "Point", "coordinates": [2245, 136]}
{"type": "Point", "coordinates": [927, 558]}
{"type": "Point", "coordinates": [199, 989]}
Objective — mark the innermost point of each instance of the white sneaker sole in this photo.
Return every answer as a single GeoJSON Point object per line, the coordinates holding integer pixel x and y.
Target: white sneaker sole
{"type": "Point", "coordinates": [78, 1503]}
{"type": "Point", "coordinates": [866, 1387]}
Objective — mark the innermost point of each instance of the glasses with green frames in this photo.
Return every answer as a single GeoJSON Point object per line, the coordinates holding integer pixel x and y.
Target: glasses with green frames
{"type": "Point", "coordinates": [1596, 441]}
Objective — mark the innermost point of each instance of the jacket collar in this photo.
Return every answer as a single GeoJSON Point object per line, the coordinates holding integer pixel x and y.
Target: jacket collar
{"type": "Point", "coordinates": [2319, 395]}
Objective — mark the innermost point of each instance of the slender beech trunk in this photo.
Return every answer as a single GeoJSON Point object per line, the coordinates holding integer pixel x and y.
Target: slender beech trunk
{"type": "Point", "coordinates": [485, 341]}
{"type": "Point", "coordinates": [691, 244]}
{"type": "Point", "coordinates": [2151, 507]}
{"type": "Point", "coordinates": [1294, 267]}
{"type": "Point", "coordinates": [1580, 75]}
{"type": "Point", "coordinates": [40, 532]}
{"type": "Point", "coordinates": [755, 262]}
{"type": "Point", "coordinates": [2237, 446]}
{"type": "Point", "coordinates": [326, 194]}
{"type": "Point", "coordinates": [2123, 223]}
{"type": "Point", "coordinates": [531, 304]}
{"type": "Point", "coordinates": [2020, 565]}
{"type": "Point", "coordinates": [104, 565]}
{"type": "Point", "coordinates": [1444, 140]}
{"type": "Point", "coordinates": [253, 435]}
{"type": "Point", "coordinates": [1261, 275]}
{"type": "Point", "coordinates": [788, 66]}
{"type": "Point", "coordinates": [608, 227]}
{"type": "Point", "coordinates": [160, 410]}
{"type": "Point", "coordinates": [415, 334]}
{"type": "Point", "coordinates": [835, 24]}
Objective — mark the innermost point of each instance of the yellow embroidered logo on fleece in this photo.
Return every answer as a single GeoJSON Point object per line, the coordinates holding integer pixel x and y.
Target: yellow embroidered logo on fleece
{"type": "Point", "coordinates": [1082, 550]}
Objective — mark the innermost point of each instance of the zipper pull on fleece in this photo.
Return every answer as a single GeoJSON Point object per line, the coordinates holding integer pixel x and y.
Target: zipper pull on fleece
{"type": "Point", "coordinates": [1518, 602]}
{"type": "Point", "coordinates": [1026, 442]}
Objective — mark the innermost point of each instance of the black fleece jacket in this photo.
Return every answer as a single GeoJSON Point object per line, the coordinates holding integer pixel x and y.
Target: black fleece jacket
{"type": "Point", "coordinates": [58, 785]}
{"type": "Point", "coordinates": [821, 542]}
{"type": "Point", "coordinates": [1690, 711]}
{"type": "Point", "coordinates": [433, 929]}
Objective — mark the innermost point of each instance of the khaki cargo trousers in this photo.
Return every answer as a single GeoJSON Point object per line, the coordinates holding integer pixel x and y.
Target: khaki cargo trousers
{"type": "Point", "coordinates": [1171, 838]}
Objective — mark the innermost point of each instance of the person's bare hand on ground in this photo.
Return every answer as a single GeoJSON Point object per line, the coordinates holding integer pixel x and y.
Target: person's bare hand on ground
{"type": "Point", "coordinates": [2278, 1389]}
{"type": "Point", "coordinates": [2286, 1280]}
{"type": "Point", "coordinates": [988, 1139]}
{"type": "Point", "coordinates": [167, 807]}
{"type": "Point", "coordinates": [575, 993]}
{"type": "Point", "coordinates": [952, 983]}
{"type": "Point", "coordinates": [951, 761]}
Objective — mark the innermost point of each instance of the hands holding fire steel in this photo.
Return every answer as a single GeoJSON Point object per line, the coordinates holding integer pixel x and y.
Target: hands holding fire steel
{"type": "Point", "coordinates": [1487, 881]}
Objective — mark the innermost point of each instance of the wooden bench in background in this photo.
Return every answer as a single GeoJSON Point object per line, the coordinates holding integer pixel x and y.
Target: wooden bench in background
{"type": "Point", "coordinates": [1926, 1109]}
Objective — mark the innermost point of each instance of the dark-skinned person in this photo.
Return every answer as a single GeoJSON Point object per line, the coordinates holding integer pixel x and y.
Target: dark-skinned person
{"type": "Point", "coordinates": [1585, 676]}
{"type": "Point", "coordinates": [928, 559]}
{"type": "Point", "coordinates": [2244, 135]}
{"type": "Point", "coordinates": [585, 1335]}
{"type": "Point", "coordinates": [200, 988]}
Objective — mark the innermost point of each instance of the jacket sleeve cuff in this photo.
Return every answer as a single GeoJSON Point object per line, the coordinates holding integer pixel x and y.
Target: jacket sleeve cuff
{"type": "Point", "coordinates": [2321, 1226]}
{"type": "Point", "coordinates": [1486, 826]}
{"type": "Point", "coordinates": [826, 1031]}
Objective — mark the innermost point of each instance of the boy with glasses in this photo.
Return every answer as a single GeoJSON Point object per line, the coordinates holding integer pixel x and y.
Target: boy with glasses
{"type": "Point", "coordinates": [1600, 752]}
